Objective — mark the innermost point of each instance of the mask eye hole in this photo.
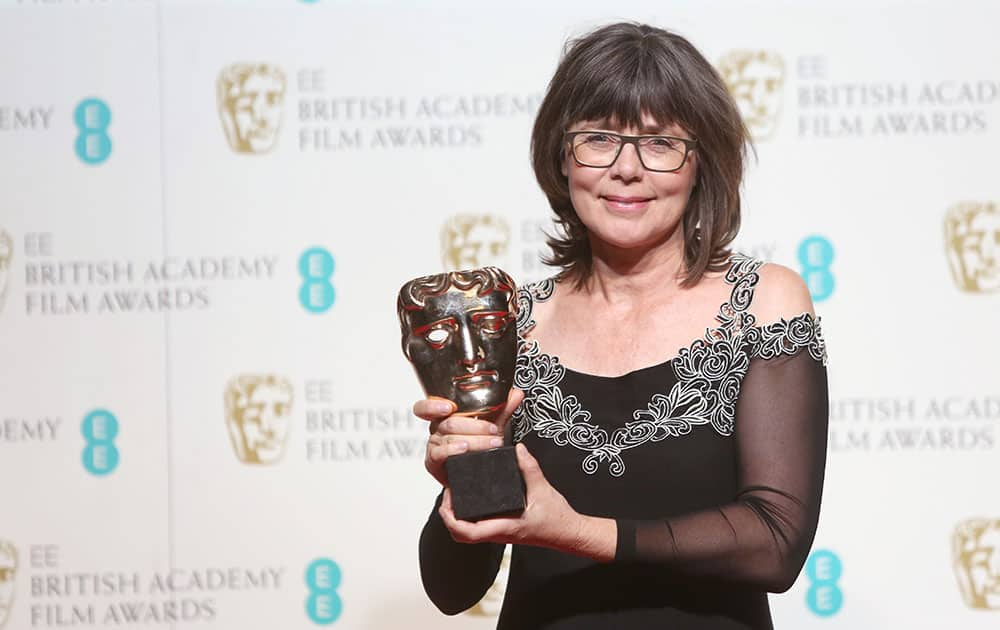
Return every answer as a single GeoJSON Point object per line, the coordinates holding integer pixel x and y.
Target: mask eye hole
{"type": "Point", "coordinates": [437, 337]}
{"type": "Point", "coordinates": [980, 558]}
{"type": "Point", "coordinates": [493, 324]}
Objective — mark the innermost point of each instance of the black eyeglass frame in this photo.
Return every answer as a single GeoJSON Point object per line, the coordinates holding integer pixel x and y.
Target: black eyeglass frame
{"type": "Point", "coordinates": [689, 145]}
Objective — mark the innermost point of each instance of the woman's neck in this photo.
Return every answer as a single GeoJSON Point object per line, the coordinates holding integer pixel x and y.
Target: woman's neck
{"type": "Point", "coordinates": [624, 275]}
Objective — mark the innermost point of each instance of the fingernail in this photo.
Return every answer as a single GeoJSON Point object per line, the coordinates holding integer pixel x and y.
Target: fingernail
{"type": "Point", "coordinates": [440, 406]}
{"type": "Point", "coordinates": [494, 428]}
{"type": "Point", "coordinates": [496, 442]}
{"type": "Point", "coordinates": [459, 447]}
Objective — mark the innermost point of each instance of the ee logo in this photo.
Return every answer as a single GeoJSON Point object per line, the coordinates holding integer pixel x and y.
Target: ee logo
{"type": "Point", "coordinates": [316, 294]}
{"type": "Point", "coordinates": [816, 256]}
{"type": "Point", "coordinates": [323, 578]}
{"type": "Point", "coordinates": [100, 428]}
{"type": "Point", "coordinates": [824, 596]}
{"type": "Point", "coordinates": [92, 117]}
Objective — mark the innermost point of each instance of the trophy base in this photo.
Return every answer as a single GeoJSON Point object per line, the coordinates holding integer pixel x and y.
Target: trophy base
{"type": "Point", "coordinates": [485, 484]}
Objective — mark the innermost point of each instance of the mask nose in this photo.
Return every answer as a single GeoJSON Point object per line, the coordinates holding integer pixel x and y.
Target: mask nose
{"type": "Point", "coordinates": [472, 350]}
{"type": "Point", "coordinates": [991, 246]}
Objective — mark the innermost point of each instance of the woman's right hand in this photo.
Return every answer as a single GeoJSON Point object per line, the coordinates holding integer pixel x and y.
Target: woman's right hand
{"type": "Point", "coordinates": [453, 434]}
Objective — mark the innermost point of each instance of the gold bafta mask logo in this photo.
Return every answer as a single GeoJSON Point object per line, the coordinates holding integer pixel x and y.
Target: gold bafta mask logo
{"type": "Point", "coordinates": [258, 416]}
{"type": "Point", "coordinates": [756, 79]}
{"type": "Point", "coordinates": [8, 571]}
{"type": "Point", "coordinates": [6, 258]}
{"type": "Point", "coordinates": [975, 549]}
{"type": "Point", "coordinates": [972, 240]}
{"type": "Point", "coordinates": [489, 605]}
{"type": "Point", "coordinates": [251, 100]}
{"type": "Point", "coordinates": [469, 241]}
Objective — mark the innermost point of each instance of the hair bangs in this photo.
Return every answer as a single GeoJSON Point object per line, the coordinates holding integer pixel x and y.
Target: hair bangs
{"type": "Point", "coordinates": [626, 93]}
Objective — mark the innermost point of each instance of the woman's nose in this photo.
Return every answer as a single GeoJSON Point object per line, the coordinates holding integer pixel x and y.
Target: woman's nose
{"type": "Point", "coordinates": [628, 165]}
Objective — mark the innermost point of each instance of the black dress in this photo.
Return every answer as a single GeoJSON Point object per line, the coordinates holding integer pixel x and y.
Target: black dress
{"type": "Point", "coordinates": [711, 464]}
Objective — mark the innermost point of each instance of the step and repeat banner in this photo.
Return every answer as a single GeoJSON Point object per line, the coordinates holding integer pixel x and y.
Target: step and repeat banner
{"type": "Point", "coordinates": [206, 210]}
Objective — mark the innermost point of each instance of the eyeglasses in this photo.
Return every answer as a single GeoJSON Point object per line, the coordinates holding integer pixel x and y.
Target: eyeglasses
{"type": "Point", "coordinates": [600, 149]}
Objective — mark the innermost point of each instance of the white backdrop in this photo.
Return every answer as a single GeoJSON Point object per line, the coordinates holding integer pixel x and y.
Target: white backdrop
{"type": "Point", "coordinates": [165, 287]}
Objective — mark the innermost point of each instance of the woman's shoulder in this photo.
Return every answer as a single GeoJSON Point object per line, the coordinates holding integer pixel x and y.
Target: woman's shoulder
{"type": "Point", "coordinates": [778, 292]}
{"type": "Point", "coordinates": [783, 313]}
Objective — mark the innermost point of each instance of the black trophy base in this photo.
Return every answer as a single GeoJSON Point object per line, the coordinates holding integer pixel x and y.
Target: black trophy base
{"type": "Point", "coordinates": [485, 484]}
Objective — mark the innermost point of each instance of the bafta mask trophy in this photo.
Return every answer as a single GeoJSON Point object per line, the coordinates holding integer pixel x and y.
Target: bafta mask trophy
{"type": "Point", "coordinates": [459, 332]}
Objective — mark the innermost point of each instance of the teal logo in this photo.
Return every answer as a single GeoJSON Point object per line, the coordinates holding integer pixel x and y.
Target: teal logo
{"type": "Point", "coordinates": [815, 257]}
{"type": "Point", "coordinates": [316, 293]}
{"type": "Point", "coordinates": [92, 117]}
{"type": "Point", "coordinates": [824, 596]}
{"type": "Point", "coordinates": [323, 605]}
{"type": "Point", "coordinates": [100, 455]}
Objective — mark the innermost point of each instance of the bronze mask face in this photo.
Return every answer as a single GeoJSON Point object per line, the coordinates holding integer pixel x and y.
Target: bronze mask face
{"type": "Point", "coordinates": [460, 333]}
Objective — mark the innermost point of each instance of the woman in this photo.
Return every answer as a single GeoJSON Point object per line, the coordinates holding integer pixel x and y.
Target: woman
{"type": "Point", "coordinates": [671, 400]}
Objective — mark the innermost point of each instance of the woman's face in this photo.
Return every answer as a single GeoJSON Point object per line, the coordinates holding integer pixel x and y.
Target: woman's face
{"type": "Point", "coordinates": [625, 206]}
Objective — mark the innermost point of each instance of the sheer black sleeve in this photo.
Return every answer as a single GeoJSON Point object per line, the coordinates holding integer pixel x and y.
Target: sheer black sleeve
{"type": "Point", "coordinates": [764, 535]}
{"type": "Point", "coordinates": [455, 575]}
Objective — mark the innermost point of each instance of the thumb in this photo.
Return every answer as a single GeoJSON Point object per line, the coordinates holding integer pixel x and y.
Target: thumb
{"type": "Point", "coordinates": [530, 469]}
{"type": "Point", "coordinates": [514, 399]}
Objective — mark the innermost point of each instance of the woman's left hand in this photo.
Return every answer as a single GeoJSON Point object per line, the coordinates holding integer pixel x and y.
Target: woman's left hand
{"type": "Point", "coordinates": [548, 519]}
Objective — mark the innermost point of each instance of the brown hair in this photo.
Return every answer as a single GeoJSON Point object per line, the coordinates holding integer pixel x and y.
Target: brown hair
{"type": "Point", "coordinates": [619, 72]}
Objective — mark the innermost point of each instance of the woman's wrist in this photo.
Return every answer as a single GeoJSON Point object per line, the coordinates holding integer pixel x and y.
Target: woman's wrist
{"type": "Point", "coordinates": [593, 537]}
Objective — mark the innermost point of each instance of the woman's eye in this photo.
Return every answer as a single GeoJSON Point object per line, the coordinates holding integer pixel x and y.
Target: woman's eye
{"type": "Point", "coordinates": [598, 139]}
{"type": "Point", "coordinates": [660, 144]}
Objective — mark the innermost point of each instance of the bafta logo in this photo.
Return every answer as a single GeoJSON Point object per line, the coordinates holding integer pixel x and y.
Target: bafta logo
{"type": "Point", "coordinates": [6, 258]}
{"type": "Point", "coordinates": [755, 79]}
{"type": "Point", "coordinates": [975, 549]}
{"type": "Point", "coordinates": [8, 571]}
{"type": "Point", "coordinates": [972, 240]}
{"type": "Point", "coordinates": [489, 605]}
{"type": "Point", "coordinates": [251, 100]}
{"type": "Point", "coordinates": [258, 416]}
{"type": "Point", "coordinates": [474, 240]}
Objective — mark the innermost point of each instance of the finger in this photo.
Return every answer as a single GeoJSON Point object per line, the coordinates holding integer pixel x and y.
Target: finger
{"type": "Point", "coordinates": [440, 452]}
{"type": "Point", "coordinates": [468, 531]}
{"type": "Point", "coordinates": [514, 399]}
{"type": "Point", "coordinates": [447, 512]}
{"type": "Point", "coordinates": [474, 442]}
{"type": "Point", "coordinates": [467, 425]}
{"type": "Point", "coordinates": [530, 469]}
{"type": "Point", "coordinates": [433, 408]}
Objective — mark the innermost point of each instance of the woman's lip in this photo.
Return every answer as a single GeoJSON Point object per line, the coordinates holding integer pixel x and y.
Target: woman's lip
{"type": "Point", "coordinates": [625, 199]}
{"type": "Point", "coordinates": [626, 203]}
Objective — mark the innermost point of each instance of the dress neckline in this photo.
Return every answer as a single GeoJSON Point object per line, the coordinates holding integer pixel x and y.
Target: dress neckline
{"type": "Point", "coordinates": [741, 274]}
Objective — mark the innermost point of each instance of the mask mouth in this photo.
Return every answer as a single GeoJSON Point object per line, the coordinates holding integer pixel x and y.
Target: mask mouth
{"type": "Point", "coordinates": [476, 380]}
{"type": "Point", "coordinates": [260, 133]}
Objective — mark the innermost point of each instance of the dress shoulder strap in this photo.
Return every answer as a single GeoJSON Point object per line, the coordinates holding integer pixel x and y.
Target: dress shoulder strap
{"type": "Point", "coordinates": [742, 275]}
{"type": "Point", "coordinates": [527, 295]}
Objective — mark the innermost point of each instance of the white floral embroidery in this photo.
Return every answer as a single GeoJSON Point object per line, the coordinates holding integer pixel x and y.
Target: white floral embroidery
{"type": "Point", "coordinates": [709, 373]}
